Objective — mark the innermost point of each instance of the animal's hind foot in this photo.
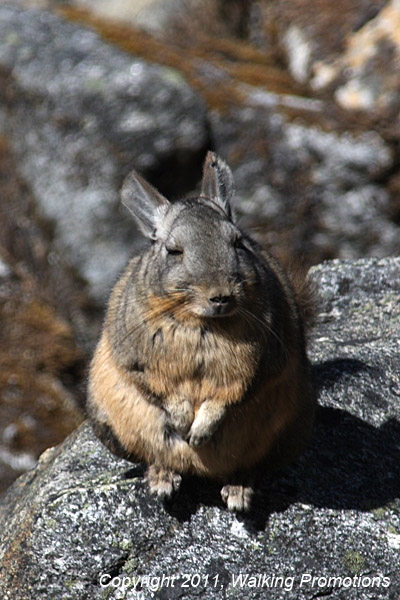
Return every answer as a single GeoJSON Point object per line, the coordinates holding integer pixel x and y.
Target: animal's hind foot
{"type": "Point", "coordinates": [163, 482]}
{"type": "Point", "coordinates": [237, 497]}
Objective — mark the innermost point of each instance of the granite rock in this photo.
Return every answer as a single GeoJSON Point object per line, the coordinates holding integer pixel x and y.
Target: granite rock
{"type": "Point", "coordinates": [83, 526]}
{"type": "Point", "coordinates": [79, 114]}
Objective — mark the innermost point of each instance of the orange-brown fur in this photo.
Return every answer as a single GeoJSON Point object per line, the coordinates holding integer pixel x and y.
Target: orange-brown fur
{"type": "Point", "coordinates": [244, 440]}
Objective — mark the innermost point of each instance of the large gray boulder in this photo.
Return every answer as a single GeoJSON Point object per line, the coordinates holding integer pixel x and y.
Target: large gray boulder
{"type": "Point", "coordinates": [79, 114]}
{"type": "Point", "coordinates": [83, 526]}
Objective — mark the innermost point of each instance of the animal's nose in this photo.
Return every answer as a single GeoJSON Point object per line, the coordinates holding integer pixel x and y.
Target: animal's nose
{"type": "Point", "coordinates": [220, 299]}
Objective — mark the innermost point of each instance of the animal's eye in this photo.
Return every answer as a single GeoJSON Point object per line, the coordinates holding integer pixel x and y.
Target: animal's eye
{"type": "Point", "coordinates": [239, 244]}
{"type": "Point", "coordinates": [174, 251]}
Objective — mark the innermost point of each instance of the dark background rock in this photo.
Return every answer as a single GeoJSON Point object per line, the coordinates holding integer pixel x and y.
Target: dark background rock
{"type": "Point", "coordinates": [335, 513]}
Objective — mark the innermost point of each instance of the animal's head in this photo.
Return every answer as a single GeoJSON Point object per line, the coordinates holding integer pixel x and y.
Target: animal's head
{"type": "Point", "coordinates": [199, 255]}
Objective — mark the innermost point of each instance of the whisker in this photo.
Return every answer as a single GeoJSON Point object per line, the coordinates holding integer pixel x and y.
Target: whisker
{"type": "Point", "coordinates": [267, 328]}
{"type": "Point", "coordinates": [153, 314]}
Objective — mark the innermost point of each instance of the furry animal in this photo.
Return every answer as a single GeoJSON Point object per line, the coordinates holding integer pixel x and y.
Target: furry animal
{"type": "Point", "coordinates": [201, 367]}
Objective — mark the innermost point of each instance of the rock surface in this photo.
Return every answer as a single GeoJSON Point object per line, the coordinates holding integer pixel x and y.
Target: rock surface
{"type": "Point", "coordinates": [80, 114]}
{"type": "Point", "coordinates": [83, 519]}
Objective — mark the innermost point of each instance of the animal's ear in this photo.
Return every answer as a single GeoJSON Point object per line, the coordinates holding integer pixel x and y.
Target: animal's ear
{"type": "Point", "coordinates": [217, 183]}
{"type": "Point", "coordinates": [146, 204]}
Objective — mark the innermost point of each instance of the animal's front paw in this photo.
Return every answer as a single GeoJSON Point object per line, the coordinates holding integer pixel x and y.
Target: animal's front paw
{"type": "Point", "coordinates": [163, 482]}
{"type": "Point", "coordinates": [199, 434]}
{"type": "Point", "coordinates": [206, 423]}
{"type": "Point", "coordinates": [179, 415]}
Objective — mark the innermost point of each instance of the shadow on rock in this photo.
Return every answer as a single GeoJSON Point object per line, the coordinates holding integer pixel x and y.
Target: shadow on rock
{"type": "Point", "coordinates": [351, 464]}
